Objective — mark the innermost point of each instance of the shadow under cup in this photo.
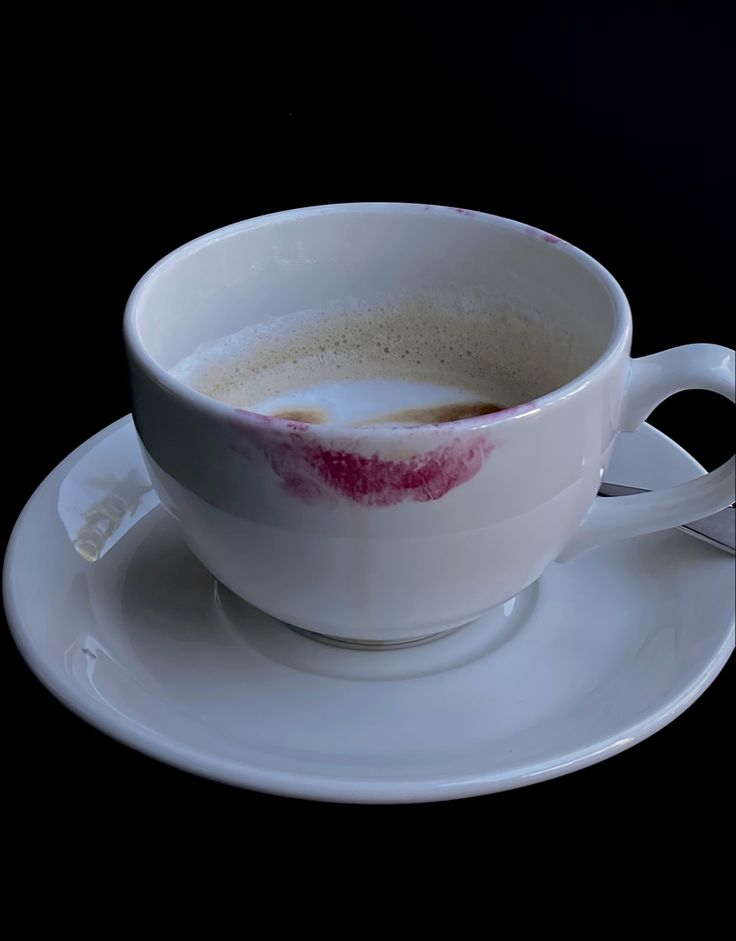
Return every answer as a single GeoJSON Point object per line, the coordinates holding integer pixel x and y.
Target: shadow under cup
{"type": "Point", "coordinates": [382, 535]}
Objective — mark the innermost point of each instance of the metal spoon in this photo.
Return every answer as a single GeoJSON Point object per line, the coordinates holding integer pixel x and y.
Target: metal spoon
{"type": "Point", "coordinates": [718, 530]}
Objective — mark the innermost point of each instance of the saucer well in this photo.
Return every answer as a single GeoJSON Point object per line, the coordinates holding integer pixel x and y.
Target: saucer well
{"type": "Point", "coordinates": [143, 643]}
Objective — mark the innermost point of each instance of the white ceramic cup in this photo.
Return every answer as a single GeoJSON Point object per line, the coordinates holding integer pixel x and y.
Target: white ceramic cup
{"type": "Point", "coordinates": [389, 534]}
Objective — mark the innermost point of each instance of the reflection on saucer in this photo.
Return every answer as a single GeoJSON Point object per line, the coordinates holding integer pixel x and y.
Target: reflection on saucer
{"type": "Point", "coordinates": [97, 503]}
{"type": "Point", "coordinates": [103, 518]}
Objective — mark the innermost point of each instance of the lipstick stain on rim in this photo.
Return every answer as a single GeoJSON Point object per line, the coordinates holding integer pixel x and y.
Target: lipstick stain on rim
{"type": "Point", "coordinates": [311, 471]}
{"type": "Point", "coordinates": [544, 236]}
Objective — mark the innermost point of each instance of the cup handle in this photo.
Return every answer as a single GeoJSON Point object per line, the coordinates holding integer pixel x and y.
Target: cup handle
{"type": "Point", "coordinates": [651, 380]}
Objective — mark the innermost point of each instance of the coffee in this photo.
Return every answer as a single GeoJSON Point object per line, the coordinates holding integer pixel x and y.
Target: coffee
{"type": "Point", "coordinates": [416, 361]}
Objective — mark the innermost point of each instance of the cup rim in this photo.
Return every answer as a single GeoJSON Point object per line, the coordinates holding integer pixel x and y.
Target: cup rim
{"type": "Point", "coordinates": [620, 336]}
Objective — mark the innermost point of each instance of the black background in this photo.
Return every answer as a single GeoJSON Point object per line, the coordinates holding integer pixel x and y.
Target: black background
{"type": "Point", "coordinates": [608, 128]}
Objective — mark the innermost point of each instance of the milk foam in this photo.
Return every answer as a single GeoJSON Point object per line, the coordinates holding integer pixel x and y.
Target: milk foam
{"type": "Point", "coordinates": [357, 363]}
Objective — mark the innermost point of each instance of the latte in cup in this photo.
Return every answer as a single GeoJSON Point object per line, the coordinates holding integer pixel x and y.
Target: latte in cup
{"type": "Point", "coordinates": [421, 360]}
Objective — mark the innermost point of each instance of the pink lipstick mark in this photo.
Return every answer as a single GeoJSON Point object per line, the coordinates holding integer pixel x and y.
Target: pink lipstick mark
{"type": "Point", "coordinates": [266, 421]}
{"type": "Point", "coordinates": [376, 481]}
{"type": "Point", "coordinates": [545, 236]}
{"type": "Point", "coordinates": [311, 472]}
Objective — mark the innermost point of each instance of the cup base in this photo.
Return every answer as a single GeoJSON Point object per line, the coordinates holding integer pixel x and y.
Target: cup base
{"type": "Point", "coordinates": [349, 643]}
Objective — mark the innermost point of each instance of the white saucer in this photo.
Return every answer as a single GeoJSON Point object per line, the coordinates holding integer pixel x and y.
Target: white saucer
{"type": "Point", "coordinates": [594, 657]}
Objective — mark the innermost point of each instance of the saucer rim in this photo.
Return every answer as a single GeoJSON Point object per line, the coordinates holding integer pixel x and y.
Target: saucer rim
{"type": "Point", "coordinates": [332, 788]}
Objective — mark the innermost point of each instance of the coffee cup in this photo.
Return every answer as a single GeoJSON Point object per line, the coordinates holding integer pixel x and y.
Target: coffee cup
{"type": "Point", "coordinates": [389, 533]}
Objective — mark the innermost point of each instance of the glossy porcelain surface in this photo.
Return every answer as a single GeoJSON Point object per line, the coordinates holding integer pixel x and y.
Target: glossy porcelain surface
{"type": "Point", "coordinates": [144, 644]}
{"type": "Point", "coordinates": [389, 533]}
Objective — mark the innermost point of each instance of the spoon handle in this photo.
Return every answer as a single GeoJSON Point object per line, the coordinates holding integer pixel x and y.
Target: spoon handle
{"type": "Point", "coordinates": [718, 530]}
